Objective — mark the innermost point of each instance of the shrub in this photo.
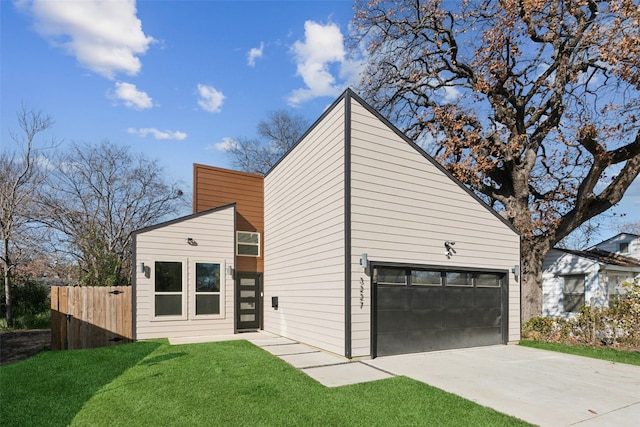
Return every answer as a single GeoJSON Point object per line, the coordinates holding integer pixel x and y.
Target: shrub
{"type": "Point", "coordinates": [31, 305]}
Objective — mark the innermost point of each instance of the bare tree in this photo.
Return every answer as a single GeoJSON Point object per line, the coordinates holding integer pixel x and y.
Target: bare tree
{"type": "Point", "coordinates": [632, 227]}
{"type": "Point", "coordinates": [96, 198]}
{"type": "Point", "coordinates": [534, 104]}
{"type": "Point", "coordinates": [21, 172]}
{"type": "Point", "coordinates": [278, 134]}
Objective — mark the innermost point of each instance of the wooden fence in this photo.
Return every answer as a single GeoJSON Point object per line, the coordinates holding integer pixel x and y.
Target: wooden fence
{"type": "Point", "coordinates": [86, 317]}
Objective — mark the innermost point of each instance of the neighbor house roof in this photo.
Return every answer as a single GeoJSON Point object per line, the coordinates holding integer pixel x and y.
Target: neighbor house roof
{"type": "Point", "coordinates": [605, 257]}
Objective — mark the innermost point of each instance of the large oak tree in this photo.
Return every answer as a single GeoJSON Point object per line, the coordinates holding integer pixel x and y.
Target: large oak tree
{"type": "Point", "coordinates": [535, 104]}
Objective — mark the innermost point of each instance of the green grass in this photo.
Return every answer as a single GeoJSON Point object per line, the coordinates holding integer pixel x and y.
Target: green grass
{"type": "Point", "coordinates": [213, 384]}
{"type": "Point", "coordinates": [610, 354]}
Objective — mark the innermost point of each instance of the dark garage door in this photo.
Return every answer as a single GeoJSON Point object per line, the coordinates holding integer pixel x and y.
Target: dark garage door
{"type": "Point", "coordinates": [426, 310]}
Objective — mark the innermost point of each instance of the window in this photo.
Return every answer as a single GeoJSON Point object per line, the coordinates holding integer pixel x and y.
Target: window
{"type": "Point", "coordinates": [488, 280]}
{"type": "Point", "coordinates": [168, 288]}
{"type": "Point", "coordinates": [390, 276]}
{"type": "Point", "coordinates": [248, 243]}
{"type": "Point", "coordinates": [573, 293]}
{"type": "Point", "coordinates": [623, 247]}
{"type": "Point", "coordinates": [455, 278]}
{"type": "Point", "coordinates": [207, 288]}
{"type": "Point", "coordinates": [426, 278]}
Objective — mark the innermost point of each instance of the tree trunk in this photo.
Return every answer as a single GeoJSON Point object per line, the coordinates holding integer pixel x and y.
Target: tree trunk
{"type": "Point", "coordinates": [7, 286]}
{"type": "Point", "coordinates": [534, 249]}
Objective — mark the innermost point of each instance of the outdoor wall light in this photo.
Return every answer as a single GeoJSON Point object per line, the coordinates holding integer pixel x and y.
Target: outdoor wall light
{"type": "Point", "coordinates": [229, 270]}
{"type": "Point", "coordinates": [516, 271]}
{"type": "Point", "coordinates": [190, 241]}
{"type": "Point", "coordinates": [364, 261]}
{"type": "Point", "coordinates": [141, 267]}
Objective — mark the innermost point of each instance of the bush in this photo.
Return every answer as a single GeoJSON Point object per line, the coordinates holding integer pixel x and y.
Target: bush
{"type": "Point", "coordinates": [613, 326]}
{"type": "Point", "coordinates": [31, 306]}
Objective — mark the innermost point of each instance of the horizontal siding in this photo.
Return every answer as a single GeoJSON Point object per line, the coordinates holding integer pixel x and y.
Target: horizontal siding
{"type": "Point", "coordinates": [304, 239]}
{"type": "Point", "coordinates": [214, 234]}
{"type": "Point", "coordinates": [403, 209]}
{"type": "Point", "coordinates": [214, 187]}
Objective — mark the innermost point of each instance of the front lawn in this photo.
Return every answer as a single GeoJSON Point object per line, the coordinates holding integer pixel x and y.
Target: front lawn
{"type": "Point", "coordinates": [213, 384]}
{"type": "Point", "coordinates": [613, 355]}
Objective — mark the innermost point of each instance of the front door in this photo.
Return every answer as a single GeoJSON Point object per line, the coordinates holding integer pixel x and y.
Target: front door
{"type": "Point", "coordinates": [248, 300]}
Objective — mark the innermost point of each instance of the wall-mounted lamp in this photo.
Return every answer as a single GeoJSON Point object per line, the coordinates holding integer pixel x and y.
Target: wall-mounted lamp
{"type": "Point", "coordinates": [516, 271]}
{"type": "Point", "coordinates": [364, 261]}
{"type": "Point", "coordinates": [448, 245]}
{"type": "Point", "coordinates": [141, 267]}
{"type": "Point", "coordinates": [190, 241]}
{"type": "Point", "coordinates": [229, 270]}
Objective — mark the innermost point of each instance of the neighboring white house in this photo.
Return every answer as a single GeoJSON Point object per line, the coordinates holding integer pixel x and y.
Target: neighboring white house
{"type": "Point", "coordinates": [572, 278]}
{"type": "Point", "coordinates": [370, 248]}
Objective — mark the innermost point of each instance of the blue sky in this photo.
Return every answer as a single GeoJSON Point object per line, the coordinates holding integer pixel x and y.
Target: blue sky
{"type": "Point", "coordinates": [176, 79]}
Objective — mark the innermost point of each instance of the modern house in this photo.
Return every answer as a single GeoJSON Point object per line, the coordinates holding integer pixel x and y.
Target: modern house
{"type": "Point", "coordinates": [572, 279]}
{"type": "Point", "coordinates": [356, 242]}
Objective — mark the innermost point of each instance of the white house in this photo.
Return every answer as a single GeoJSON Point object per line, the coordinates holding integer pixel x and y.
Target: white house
{"type": "Point", "coordinates": [368, 247]}
{"type": "Point", "coordinates": [573, 279]}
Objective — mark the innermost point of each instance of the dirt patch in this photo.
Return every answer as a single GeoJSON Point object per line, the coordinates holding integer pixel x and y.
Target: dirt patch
{"type": "Point", "coordinates": [19, 345]}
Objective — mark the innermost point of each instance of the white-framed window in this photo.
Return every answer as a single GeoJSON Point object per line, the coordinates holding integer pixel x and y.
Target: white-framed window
{"type": "Point", "coordinates": [169, 290]}
{"type": "Point", "coordinates": [207, 288]}
{"type": "Point", "coordinates": [573, 292]}
{"type": "Point", "coordinates": [248, 243]}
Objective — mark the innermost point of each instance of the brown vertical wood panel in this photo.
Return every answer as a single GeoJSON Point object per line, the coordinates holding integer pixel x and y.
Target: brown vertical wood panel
{"type": "Point", "coordinates": [55, 319]}
{"type": "Point", "coordinates": [63, 308]}
{"type": "Point", "coordinates": [214, 187]}
{"type": "Point", "coordinates": [125, 302]}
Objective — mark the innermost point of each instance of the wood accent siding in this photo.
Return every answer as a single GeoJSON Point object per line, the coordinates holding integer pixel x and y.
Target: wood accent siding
{"type": "Point", "coordinates": [215, 237]}
{"type": "Point", "coordinates": [403, 209]}
{"type": "Point", "coordinates": [305, 238]}
{"type": "Point", "coordinates": [214, 187]}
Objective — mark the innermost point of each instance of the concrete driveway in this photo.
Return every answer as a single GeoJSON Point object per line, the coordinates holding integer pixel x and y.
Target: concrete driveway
{"type": "Point", "coordinates": [541, 387]}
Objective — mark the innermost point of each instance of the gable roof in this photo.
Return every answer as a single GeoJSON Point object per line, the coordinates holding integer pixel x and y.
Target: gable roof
{"type": "Point", "coordinates": [605, 257]}
{"type": "Point", "coordinates": [350, 94]}
{"type": "Point", "coordinates": [633, 237]}
{"type": "Point", "coordinates": [183, 218]}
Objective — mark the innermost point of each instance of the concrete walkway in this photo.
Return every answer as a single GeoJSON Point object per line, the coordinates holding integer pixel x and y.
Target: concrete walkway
{"type": "Point", "coordinates": [541, 387]}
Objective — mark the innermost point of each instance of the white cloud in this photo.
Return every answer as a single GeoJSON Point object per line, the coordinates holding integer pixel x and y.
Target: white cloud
{"type": "Point", "coordinates": [104, 36]}
{"type": "Point", "coordinates": [131, 97]}
{"type": "Point", "coordinates": [157, 134]}
{"type": "Point", "coordinates": [254, 54]}
{"type": "Point", "coordinates": [323, 46]}
{"type": "Point", "coordinates": [227, 144]}
{"type": "Point", "coordinates": [210, 98]}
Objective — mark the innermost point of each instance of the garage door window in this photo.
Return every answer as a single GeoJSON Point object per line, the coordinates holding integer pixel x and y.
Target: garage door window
{"type": "Point", "coordinates": [455, 278]}
{"type": "Point", "coordinates": [426, 278]}
{"type": "Point", "coordinates": [390, 276]}
{"type": "Point", "coordinates": [488, 280]}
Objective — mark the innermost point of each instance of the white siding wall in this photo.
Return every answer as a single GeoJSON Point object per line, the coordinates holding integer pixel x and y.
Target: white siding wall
{"type": "Point", "coordinates": [557, 264]}
{"type": "Point", "coordinates": [613, 245]}
{"type": "Point", "coordinates": [214, 234]}
{"type": "Point", "coordinates": [304, 239]}
{"type": "Point", "coordinates": [404, 209]}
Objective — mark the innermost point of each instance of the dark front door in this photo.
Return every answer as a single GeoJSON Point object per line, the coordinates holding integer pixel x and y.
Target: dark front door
{"type": "Point", "coordinates": [248, 300]}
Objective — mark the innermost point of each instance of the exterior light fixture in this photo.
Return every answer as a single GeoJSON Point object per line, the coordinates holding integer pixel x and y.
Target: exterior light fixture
{"type": "Point", "coordinates": [229, 270]}
{"type": "Point", "coordinates": [516, 271]}
{"type": "Point", "coordinates": [190, 241]}
{"type": "Point", "coordinates": [141, 267]}
{"type": "Point", "coordinates": [364, 261]}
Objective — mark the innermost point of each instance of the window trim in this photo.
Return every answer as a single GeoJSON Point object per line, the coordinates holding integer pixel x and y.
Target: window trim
{"type": "Point", "coordinates": [583, 293]}
{"type": "Point", "coordinates": [183, 293]}
{"type": "Point", "coordinates": [193, 293]}
{"type": "Point", "coordinates": [246, 244]}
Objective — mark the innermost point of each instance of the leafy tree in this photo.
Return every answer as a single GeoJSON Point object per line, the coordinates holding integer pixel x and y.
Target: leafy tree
{"type": "Point", "coordinates": [278, 134]}
{"type": "Point", "coordinates": [21, 172]}
{"type": "Point", "coordinates": [96, 198]}
{"type": "Point", "coordinates": [534, 104]}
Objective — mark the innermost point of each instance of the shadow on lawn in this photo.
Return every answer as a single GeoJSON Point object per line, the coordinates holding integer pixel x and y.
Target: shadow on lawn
{"type": "Point", "coordinates": [52, 387]}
